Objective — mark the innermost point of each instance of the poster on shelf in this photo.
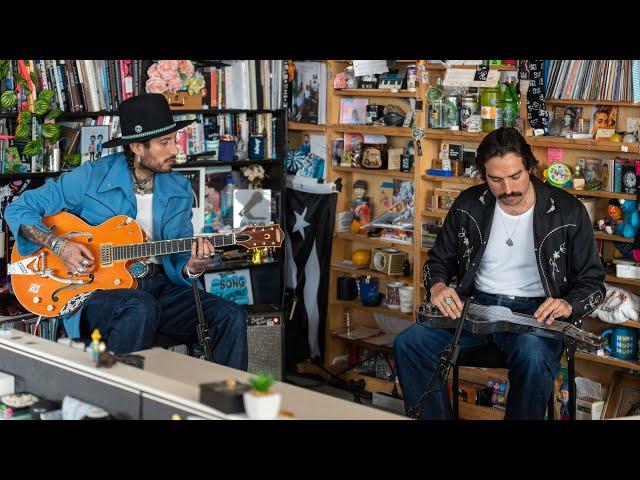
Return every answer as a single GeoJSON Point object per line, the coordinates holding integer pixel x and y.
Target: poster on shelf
{"type": "Point", "coordinates": [232, 285]}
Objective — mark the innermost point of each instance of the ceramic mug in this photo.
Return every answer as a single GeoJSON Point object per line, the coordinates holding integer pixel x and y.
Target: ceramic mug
{"type": "Point", "coordinates": [406, 299]}
{"type": "Point", "coordinates": [347, 288]}
{"type": "Point", "coordinates": [623, 342]}
{"type": "Point", "coordinates": [368, 287]}
{"type": "Point", "coordinates": [393, 295]}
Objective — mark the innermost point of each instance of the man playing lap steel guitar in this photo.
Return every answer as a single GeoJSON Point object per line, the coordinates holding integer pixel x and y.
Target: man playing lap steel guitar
{"type": "Point", "coordinates": [138, 183]}
{"type": "Point", "coordinates": [532, 250]}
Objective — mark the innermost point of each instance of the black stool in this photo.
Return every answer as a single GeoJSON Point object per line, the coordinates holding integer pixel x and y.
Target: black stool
{"type": "Point", "coordinates": [489, 356]}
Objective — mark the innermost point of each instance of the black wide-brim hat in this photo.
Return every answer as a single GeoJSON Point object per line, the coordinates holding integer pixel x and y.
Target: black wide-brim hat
{"type": "Point", "coordinates": [145, 117]}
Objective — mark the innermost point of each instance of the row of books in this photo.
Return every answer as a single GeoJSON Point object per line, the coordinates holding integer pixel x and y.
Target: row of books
{"type": "Point", "coordinates": [80, 85]}
{"type": "Point", "coordinates": [193, 139]}
{"type": "Point", "coordinates": [247, 85]}
{"type": "Point", "coordinates": [611, 80]}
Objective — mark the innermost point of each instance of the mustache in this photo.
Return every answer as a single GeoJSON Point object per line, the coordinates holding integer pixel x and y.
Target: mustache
{"type": "Point", "coordinates": [512, 194]}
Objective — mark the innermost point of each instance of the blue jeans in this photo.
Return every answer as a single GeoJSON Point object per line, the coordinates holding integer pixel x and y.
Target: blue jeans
{"type": "Point", "coordinates": [533, 361]}
{"type": "Point", "coordinates": [130, 318]}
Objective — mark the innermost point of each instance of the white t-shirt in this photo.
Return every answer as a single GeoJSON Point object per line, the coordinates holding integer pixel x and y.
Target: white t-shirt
{"type": "Point", "coordinates": [510, 270]}
{"type": "Point", "coordinates": [145, 218]}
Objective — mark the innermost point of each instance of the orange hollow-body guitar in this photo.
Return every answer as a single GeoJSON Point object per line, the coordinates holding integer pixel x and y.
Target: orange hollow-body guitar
{"type": "Point", "coordinates": [43, 285]}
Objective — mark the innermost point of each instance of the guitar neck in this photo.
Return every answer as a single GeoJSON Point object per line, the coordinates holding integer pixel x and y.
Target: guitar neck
{"type": "Point", "coordinates": [167, 247]}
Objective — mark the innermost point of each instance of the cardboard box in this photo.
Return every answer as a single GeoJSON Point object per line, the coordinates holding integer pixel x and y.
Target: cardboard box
{"type": "Point", "coordinates": [588, 408]}
{"type": "Point", "coordinates": [183, 101]}
{"type": "Point", "coordinates": [627, 269]}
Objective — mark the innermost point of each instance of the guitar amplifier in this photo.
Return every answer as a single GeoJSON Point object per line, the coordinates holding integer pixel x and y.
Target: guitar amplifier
{"type": "Point", "coordinates": [265, 339]}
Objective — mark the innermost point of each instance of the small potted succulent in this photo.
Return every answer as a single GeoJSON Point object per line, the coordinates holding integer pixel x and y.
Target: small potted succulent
{"type": "Point", "coordinates": [260, 403]}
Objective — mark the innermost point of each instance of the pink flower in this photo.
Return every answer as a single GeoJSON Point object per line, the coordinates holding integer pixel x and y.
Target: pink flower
{"type": "Point", "coordinates": [156, 85]}
{"type": "Point", "coordinates": [175, 84]}
{"type": "Point", "coordinates": [153, 72]}
{"type": "Point", "coordinates": [168, 68]}
{"type": "Point", "coordinates": [185, 67]}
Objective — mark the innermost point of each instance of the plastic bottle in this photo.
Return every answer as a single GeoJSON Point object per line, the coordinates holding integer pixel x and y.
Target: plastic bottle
{"type": "Point", "coordinates": [491, 108]}
{"type": "Point", "coordinates": [510, 100]}
{"type": "Point", "coordinates": [226, 202]}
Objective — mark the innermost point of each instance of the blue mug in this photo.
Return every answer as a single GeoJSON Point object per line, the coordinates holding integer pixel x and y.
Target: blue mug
{"type": "Point", "coordinates": [623, 342]}
{"type": "Point", "coordinates": [369, 289]}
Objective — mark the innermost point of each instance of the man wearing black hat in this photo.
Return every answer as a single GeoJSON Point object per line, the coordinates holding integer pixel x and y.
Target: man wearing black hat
{"type": "Point", "coordinates": [138, 183]}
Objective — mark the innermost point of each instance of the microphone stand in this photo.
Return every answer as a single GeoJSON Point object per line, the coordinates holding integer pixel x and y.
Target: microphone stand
{"type": "Point", "coordinates": [202, 326]}
{"type": "Point", "coordinates": [447, 359]}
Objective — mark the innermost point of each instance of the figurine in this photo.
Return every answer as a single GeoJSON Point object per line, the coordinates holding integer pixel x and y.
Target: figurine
{"type": "Point", "coordinates": [563, 398]}
{"type": "Point", "coordinates": [615, 223]}
{"type": "Point", "coordinates": [95, 345]}
{"type": "Point", "coordinates": [360, 207]}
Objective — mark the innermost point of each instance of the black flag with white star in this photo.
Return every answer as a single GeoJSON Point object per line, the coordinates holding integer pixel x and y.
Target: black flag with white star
{"type": "Point", "coordinates": [310, 213]}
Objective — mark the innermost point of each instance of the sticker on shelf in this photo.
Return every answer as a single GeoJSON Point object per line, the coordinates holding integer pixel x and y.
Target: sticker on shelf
{"type": "Point", "coordinates": [624, 148]}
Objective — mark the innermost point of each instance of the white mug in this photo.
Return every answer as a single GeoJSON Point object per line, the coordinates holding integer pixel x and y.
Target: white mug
{"type": "Point", "coordinates": [406, 299]}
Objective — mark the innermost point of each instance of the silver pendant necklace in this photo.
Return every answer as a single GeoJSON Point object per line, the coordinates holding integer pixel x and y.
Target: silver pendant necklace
{"type": "Point", "coordinates": [509, 241]}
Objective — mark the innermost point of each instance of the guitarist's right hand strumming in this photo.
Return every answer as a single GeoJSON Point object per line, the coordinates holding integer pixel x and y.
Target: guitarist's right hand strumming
{"type": "Point", "coordinates": [440, 292]}
{"type": "Point", "coordinates": [75, 256]}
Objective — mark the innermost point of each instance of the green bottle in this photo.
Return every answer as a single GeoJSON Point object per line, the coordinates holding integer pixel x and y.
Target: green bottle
{"type": "Point", "coordinates": [510, 101]}
{"type": "Point", "coordinates": [491, 108]}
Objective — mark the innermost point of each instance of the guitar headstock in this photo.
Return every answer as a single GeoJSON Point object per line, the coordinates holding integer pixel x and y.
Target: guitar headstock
{"type": "Point", "coordinates": [252, 237]}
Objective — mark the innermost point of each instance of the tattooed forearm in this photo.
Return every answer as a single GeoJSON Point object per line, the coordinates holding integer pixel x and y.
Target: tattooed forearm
{"type": "Point", "coordinates": [34, 234]}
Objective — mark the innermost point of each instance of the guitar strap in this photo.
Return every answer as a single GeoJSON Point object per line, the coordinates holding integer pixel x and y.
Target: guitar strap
{"type": "Point", "coordinates": [76, 303]}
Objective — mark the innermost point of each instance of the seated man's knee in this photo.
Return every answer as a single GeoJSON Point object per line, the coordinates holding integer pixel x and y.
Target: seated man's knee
{"type": "Point", "coordinates": [144, 307]}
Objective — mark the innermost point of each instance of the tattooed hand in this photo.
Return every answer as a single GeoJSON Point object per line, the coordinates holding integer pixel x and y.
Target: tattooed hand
{"type": "Point", "coordinates": [75, 256]}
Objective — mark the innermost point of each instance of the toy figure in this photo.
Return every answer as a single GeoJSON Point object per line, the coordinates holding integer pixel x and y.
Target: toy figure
{"type": "Point", "coordinates": [360, 207]}
{"type": "Point", "coordinates": [95, 344]}
{"type": "Point", "coordinates": [563, 398]}
{"type": "Point", "coordinates": [614, 212]}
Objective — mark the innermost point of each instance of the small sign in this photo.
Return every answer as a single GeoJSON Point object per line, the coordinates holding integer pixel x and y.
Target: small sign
{"type": "Point", "coordinates": [554, 155]}
{"type": "Point", "coordinates": [482, 72]}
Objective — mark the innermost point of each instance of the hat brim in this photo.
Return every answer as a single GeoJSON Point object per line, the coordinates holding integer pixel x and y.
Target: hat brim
{"type": "Point", "coordinates": [119, 141]}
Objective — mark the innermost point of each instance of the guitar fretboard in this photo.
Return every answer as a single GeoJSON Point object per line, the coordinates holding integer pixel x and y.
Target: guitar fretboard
{"type": "Point", "coordinates": [166, 247]}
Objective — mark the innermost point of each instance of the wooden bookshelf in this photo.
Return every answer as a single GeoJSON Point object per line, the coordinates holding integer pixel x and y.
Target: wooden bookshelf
{"type": "Point", "coordinates": [374, 92]}
{"type": "Point", "coordinates": [583, 144]}
{"type": "Point", "coordinates": [303, 127]}
{"type": "Point", "coordinates": [599, 194]}
{"type": "Point", "coordinates": [611, 238]}
{"type": "Point", "coordinates": [379, 172]}
{"type": "Point", "coordinates": [615, 362]}
{"type": "Point", "coordinates": [559, 101]}
{"type": "Point", "coordinates": [383, 310]}
{"type": "Point", "coordinates": [373, 241]}
{"type": "Point", "coordinates": [373, 273]}
{"type": "Point", "coordinates": [437, 213]}
{"type": "Point", "coordinates": [463, 180]}
{"type": "Point", "coordinates": [442, 134]}
{"type": "Point", "coordinates": [372, 129]}
{"type": "Point", "coordinates": [622, 281]}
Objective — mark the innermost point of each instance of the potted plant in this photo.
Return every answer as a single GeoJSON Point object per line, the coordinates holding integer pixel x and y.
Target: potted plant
{"type": "Point", "coordinates": [260, 403]}
{"type": "Point", "coordinates": [178, 81]}
{"type": "Point", "coordinates": [37, 111]}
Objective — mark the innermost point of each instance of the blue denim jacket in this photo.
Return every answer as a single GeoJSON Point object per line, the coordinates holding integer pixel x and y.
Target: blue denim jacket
{"type": "Point", "coordinates": [97, 191]}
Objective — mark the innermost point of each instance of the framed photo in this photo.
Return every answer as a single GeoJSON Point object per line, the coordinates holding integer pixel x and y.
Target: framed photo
{"type": "Point", "coordinates": [197, 178]}
{"type": "Point", "coordinates": [603, 117]}
{"type": "Point", "coordinates": [353, 110]}
{"type": "Point", "coordinates": [624, 396]}
{"type": "Point", "coordinates": [91, 140]}
{"type": "Point", "coordinates": [251, 207]}
{"type": "Point", "coordinates": [569, 115]}
{"type": "Point", "coordinates": [445, 197]}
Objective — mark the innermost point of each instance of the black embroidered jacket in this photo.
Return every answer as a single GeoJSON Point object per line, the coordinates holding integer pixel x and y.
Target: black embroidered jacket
{"type": "Point", "coordinates": [566, 253]}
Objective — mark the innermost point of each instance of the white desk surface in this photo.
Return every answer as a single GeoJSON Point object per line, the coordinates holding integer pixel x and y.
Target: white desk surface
{"type": "Point", "coordinates": [301, 402]}
{"type": "Point", "coordinates": [175, 378]}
